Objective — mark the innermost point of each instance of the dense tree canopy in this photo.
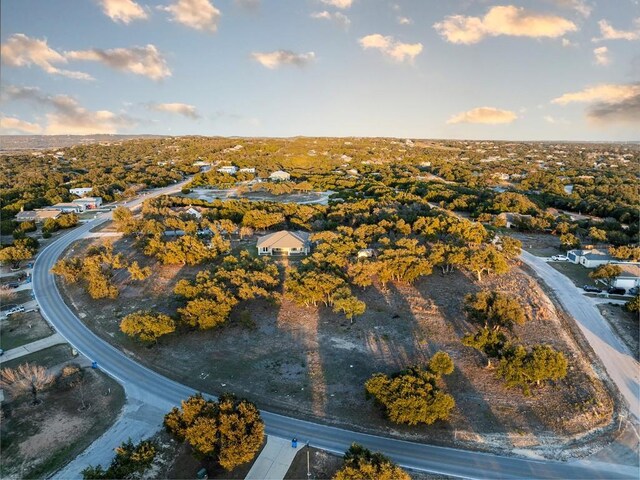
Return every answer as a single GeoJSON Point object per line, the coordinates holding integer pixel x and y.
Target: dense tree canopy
{"type": "Point", "coordinates": [229, 431]}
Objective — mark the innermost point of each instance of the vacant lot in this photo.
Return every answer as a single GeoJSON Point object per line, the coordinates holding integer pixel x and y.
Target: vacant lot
{"type": "Point", "coordinates": [311, 363]}
{"type": "Point", "coordinates": [38, 440]}
{"type": "Point", "coordinates": [576, 273]}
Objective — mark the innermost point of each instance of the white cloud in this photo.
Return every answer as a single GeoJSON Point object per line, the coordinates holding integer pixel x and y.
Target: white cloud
{"type": "Point", "coordinates": [555, 121]}
{"type": "Point", "coordinates": [390, 47]}
{"type": "Point", "coordinates": [196, 14]}
{"type": "Point", "coordinates": [177, 108]}
{"type": "Point", "coordinates": [277, 58]}
{"type": "Point", "coordinates": [146, 61]}
{"type": "Point", "coordinates": [568, 43]}
{"type": "Point", "coordinates": [68, 117]}
{"type": "Point", "coordinates": [338, 3]}
{"type": "Point", "coordinates": [607, 32]}
{"type": "Point", "coordinates": [506, 20]}
{"type": "Point", "coordinates": [608, 103]}
{"type": "Point", "coordinates": [124, 11]}
{"type": "Point", "coordinates": [580, 6]}
{"type": "Point", "coordinates": [601, 55]}
{"type": "Point", "coordinates": [337, 17]}
{"type": "Point", "coordinates": [22, 51]}
{"type": "Point", "coordinates": [404, 20]}
{"type": "Point", "coordinates": [600, 93]}
{"type": "Point", "coordinates": [486, 115]}
{"type": "Point", "coordinates": [12, 124]}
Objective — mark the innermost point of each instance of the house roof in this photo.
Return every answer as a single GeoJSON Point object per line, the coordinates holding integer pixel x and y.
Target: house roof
{"type": "Point", "coordinates": [279, 173]}
{"type": "Point", "coordinates": [629, 271]}
{"type": "Point", "coordinates": [37, 214]}
{"type": "Point", "coordinates": [87, 199]}
{"type": "Point", "coordinates": [283, 239]}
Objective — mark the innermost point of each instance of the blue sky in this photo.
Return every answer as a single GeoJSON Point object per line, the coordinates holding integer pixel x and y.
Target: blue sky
{"type": "Point", "coordinates": [477, 69]}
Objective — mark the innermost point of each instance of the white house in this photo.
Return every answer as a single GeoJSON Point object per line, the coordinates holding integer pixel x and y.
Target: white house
{"type": "Point", "coordinates": [366, 253]}
{"type": "Point", "coordinates": [248, 170]}
{"type": "Point", "coordinates": [81, 192]}
{"type": "Point", "coordinates": [590, 258]}
{"type": "Point", "coordinates": [230, 169]}
{"type": "Point", "coordinates": [279, 176]}
{"type": "Point", "coordinates": [89, 203]}
{"type": "Point", "coordinates": [193, 213]}
{"type": "Point", "coordinates": [629, 278]}
{"type": "Point", "coordinates": [67, 207]}
{"type": "Point", "coordinates": [284, 243]}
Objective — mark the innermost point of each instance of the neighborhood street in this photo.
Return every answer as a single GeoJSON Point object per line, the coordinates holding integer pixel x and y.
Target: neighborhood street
{"type": "Point", "coordinates": [152, 394]}
{"type": "Point", "coordinates": [619, 362]}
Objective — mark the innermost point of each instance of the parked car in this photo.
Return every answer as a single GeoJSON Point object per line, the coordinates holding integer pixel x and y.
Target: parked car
{"type": "Point", "coordinates": [616, 291]}
{"type": "Point", "coordinates": [18, 309]}
{"type": "Point", "coordinates": [591, 288]}
{"type": "Point", "coordinates": [634, 291]}
{"type": "Point", "coordinates": [559, 258]}
{"type": "Point", "coordinates": [11, 285]}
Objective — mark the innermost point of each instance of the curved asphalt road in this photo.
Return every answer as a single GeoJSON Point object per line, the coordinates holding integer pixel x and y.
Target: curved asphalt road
{"type": "Point", "coordinates": [619, 362]}
{"type": "Point", "coordinates": [154, 389]}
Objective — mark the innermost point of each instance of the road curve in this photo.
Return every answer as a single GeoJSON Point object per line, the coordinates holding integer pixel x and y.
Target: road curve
{"type": "Point", "coordinates": [619, 362]}
{"type": "Point", "coordinates": [152, 388]}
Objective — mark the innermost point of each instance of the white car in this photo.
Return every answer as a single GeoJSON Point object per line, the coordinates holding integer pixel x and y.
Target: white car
{"type": "Point", "coordinates": [559, 258]}
{"type": "Point", "coordinates": [13, 310]}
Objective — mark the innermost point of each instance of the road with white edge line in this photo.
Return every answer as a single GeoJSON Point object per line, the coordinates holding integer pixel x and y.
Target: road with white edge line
{"type": "Point", "coordinates": [152, 392]}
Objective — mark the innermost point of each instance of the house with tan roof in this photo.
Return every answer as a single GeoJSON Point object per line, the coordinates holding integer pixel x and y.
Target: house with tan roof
{"type": "Point", "coordinates": [38, 215]}
{"type": "Point", "coordinates": [284, 243]}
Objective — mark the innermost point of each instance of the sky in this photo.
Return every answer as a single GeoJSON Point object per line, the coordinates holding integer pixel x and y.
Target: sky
{"type": "Point", "coordinates": [464, 69]}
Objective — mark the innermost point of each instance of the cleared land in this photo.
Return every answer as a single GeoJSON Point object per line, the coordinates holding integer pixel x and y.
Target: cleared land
{"type": "Point", "coordinates": [39, 440]}
{"type": "Point", "coordinates": [311, 363]}
{"type": "Point", "coordinates": [22, 328]}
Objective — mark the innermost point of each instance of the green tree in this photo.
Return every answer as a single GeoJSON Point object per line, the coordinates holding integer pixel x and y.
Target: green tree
{"type": "Point", "coordinates": [16, 253]}
{"type": "Point", "coordinates": [130, 459]}
{"type": "Point", "coordinates": [361, 464]}
{"type": "Point", "coordinates": [137, 272]}
{"type": "Point", "coordinates": [487, 259]}
{"type": "Point", "coordinates": [569, 241]}
{"type": "Point", "coordinates": [597, 234]}
{"type": "Point", "coordinates": [633, 305]}
{"type": "Point", "coordinates": [412, 395]}
{"type": "Point", "coordinates": [607, 272]}
{"type": "Point", "coordinates": [229, 431]}
{"type": "Point", "coordinates": [522, 368]}
{"type": "Point", "coordinates": [205, 313]}
{"type": "Point", "coordinates": [488, 341]}
{"type": "Point", "coordinates": [147, 326]}
{"type": "Point", "coordinates": [494, 310]}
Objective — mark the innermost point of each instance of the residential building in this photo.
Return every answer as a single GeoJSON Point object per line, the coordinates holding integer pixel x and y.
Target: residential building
{"type": "Point", "coordinates": [248, 170]}
{"type": "Point", "coordinates": [81, 192]}
{"type": "Point", "coordinates": [230, 169]}
{"type": "Point", "coordinates": [38, 216]}
{"type": "Point", "coordinates": [366, 253]}
{"type": "Point", "coordinates": [193, 213]}
{"type": "Point", "coordinates": [67, 207]}
{"type": "Point", "coordinates": [89, 203]}
{"type": "Point", "coordinates": [629, 278]}
{"type": "Point", "coordinates": [279, 176]}
{"type": "Point", "coordinates": [284, 243]}
{"type": "Point", "coordinates": [590, 258]}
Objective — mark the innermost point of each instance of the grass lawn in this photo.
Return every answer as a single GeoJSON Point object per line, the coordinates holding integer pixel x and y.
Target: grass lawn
{"type": "Point", "coordinates": [22, 328]}
{"type": "Point", "coordinates": [576, 273]}
{"type": "Point", "coordinates": [49, 357]}
{"type": "Point", "coordinates": [39, 440]}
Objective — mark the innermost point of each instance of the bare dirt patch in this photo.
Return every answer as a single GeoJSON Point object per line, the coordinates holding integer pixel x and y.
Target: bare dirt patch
{"type": "Point", "coordinates": [311, 363]}
{"type": "Point", "coordinates": [39, 440]}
